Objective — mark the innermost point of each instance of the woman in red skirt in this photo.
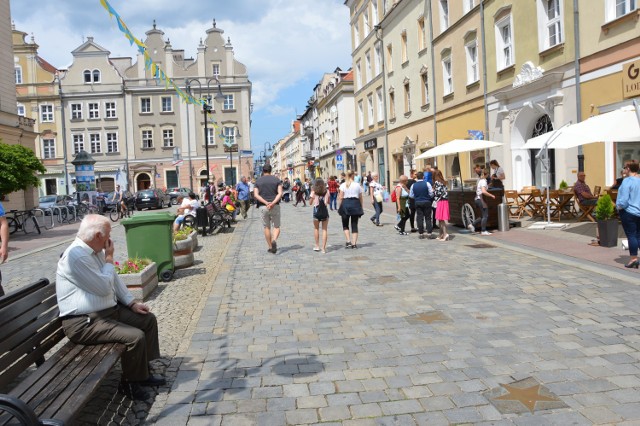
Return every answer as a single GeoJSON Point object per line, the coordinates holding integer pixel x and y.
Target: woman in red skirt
{"type": "Point", "coordinates": [441, 198]}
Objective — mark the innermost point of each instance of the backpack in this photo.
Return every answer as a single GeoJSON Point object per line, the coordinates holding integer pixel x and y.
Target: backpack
{"type": "Point", "coordinates": [394, 197]}
{"type": "Point", "coordinates": [321, 213]}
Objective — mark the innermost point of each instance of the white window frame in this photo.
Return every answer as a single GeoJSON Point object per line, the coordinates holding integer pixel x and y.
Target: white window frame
{"type": "Point", "coordinates": [502, 61]}
{"type": "Point", "coordinates": [370, 117]}
{"type": "Point", "coordinates": [78, 142]}
{"type": "Point", "coordinates": [229, 134]}
{"type": "Point", "coordinates": [422, 34]}
{"type": "Point", "coordinates": [471, 52]}
{"type": "Point", "coordinates": [110, 109]}
{"type": "Point", "coordinates": [76, 111]}
{"type": "Point", "coordinates": [167, 138]}
{"type": "Point", "coordinates": [374, 12]}
{"type": "Point", "coordinates": [216, 70]}
{"type": "Point", "coordinates": [389, 58]}
{"type": "Point", "coordinates": [443, 6]}
{"type": "Point", "coordinates": [229, 102]}
{"type": "Point", "coordinates": [385, 6]}
{"type": "Point", "coordinates": [147, 101]}
{"type": "Point", "coordinates": [356, 33]}
{"type": "Point", "coordinates": [48, 148]}
{"type": "Point", "coordinates": [403, 44]}
{"type": "Point", "coordinates": [146, 138]}
{"type": "Point", "coordinates": [93, 109]}
{"type": "Point", "coordinates": [95, 142]}
{"type": "Point", "coordinates": [447, 76]}
{"type": "Point", "coordinates": [46, 113]}
{"type": "Point", "coordinates": [96, 76]}
{"type": "Point", "coordinates": [365, 22]}
{"type": "Point", "coordinates": [211, 136]}
{"type": "Point", "coordinates": [112, 142]}
{"type": "Point", "coordinates": [18, 74]}
{"type": "Point", "coordinates": [378, 57]}
{"type": "Point", "coordinates": [166, 104]}
{"type": "Point", "coordinates": [392, 105]}
{"type": "Point", "coordinates": [86, 76]}
{"type": "Point", "coordinates": [380, 103]}
{"type": "Point", "coordinates": [611, 8]}
{"type": "Point", "coordinates": [467, 5]}
{"type": "Point", "coordinates": [368, 71]}
{"type": "Point", "coordinates": [360, 115]}
{"type": "Point", "coordinates": [407, 98]}
{"type": "Point", "coordinates": [21, 110]}
{"type": "Point", "coordinates": [546, 23]}
{"type": "Point", "coordinates": [424, 80]}
{"type": "Point", "coordinates": [358, 75]}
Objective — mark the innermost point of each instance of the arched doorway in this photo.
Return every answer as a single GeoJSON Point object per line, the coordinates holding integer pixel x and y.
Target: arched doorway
{"type": "Point", "coordinates": [143, 181]}
{"type": "Point", "coordinates": [203, 178]}
{"type": "Point", "coordinates": [543, 168]}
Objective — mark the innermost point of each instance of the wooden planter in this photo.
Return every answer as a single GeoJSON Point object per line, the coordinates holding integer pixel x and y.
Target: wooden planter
{"type": "Point", "coordinates": [142, 283]}
{"type": "Point", "coordinates": [183, 253]}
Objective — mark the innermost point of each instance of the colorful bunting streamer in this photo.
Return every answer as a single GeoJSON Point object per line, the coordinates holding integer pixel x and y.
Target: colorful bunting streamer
{"type": "Point", "coordinates": [155, 69]}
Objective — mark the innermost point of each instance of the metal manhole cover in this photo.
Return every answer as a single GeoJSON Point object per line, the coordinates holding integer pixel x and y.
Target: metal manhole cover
{"type": "Point", "coordinates": [428, 317]}
{"type": "Point", "coordinates": [481, 246]}
{"type": "Point", "coordinates": [526, 395]}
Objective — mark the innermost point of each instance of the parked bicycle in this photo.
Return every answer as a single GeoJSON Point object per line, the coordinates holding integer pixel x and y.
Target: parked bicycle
{"type": "Point", "coordinates": [85, 208]}
{"type": "Point", "coordinates": [24, 220]}
{"type": "Point", "coordinates": [117, 213]}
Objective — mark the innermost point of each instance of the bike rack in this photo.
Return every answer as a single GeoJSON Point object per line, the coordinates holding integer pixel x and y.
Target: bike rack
{"type": "Point", "coordinates": [59, 211]}
{"type": "Point", "coordinates": [41, 217]}
{"type": "Point", "coordinates": [73, 210]}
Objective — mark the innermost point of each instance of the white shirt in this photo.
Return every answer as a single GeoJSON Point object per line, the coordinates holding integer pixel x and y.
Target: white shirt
{"type": "Point", "coordinates": [376, 187]}
{"type": "Point", "coordinates": [86, 283]}
{"type": "Point", "coordinates": [481, 183]}
{"type": "Point", "coordinates": [189, 206]}
{"type": "Point", "coordinates": [353, 191]}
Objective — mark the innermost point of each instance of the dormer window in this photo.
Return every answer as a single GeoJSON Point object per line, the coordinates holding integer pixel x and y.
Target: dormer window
{"type": "Point", "coordinates": [91, 76]}
{"type": "Point", "coordinates": [96, 76]}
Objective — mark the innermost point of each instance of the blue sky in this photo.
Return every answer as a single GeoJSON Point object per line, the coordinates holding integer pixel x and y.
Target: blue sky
{"type": "Point", "coordinates": [287, 45]}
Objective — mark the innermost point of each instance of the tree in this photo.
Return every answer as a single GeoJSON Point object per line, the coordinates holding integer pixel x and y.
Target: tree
{"type": "Point", "coordinates": [18, 167]}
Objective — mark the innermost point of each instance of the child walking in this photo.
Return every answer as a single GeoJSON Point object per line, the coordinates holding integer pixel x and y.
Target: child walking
{"type": "Point", "coordinates": [319, 200]}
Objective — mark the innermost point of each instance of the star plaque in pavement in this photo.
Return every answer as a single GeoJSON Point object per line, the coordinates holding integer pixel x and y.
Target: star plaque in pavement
{"type": "Point", "coordinates": [522, 396]}
{"type": "Point", "coordinates": [428, 317]}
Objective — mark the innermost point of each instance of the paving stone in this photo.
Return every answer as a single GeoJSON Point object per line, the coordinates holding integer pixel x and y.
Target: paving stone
{"type": "Point", "coordinates": [400, 407]}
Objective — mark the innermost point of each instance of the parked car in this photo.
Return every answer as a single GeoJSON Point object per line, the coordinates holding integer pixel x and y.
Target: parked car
{"type": "Point", "coordinates": [49, 201]}
{"type": "Point", "coordinates": [174, 193]}
{"type": "Point", "coordinates": [110, 203]}
{"type": "Point", "coordinates": [152, 199]}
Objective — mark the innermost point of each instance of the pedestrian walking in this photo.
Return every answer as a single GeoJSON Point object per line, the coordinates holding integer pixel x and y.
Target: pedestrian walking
{"type": "Point", "coordinates": [307, 189]}
{"type": "Point", "coordinates": [402, 203]}
{"type": "Point", "coordinates": [243, 196]}
{"type": "Point", "coordinates": [4, 242]}
{"type": "Point", "coordinates": [376, 190]}
{"type": "Point", "coordinates": [422, 193]}
{"type": "Point", "coordinates": [299, 193]}
{"type": "Point", "coordinates": [441, 199]}
{"type": "Point", "coordinates": [350, 209]}
{"type": "Point", "coordinates": [368, 180]}
{"type": "Point", "coordinates": [481, 192]}
{"type": "Point", "coordinates": [268, 193]}
{"type": "Point", "coordinates": [333, 193]}
{"type": "Point", "coordinates": [319, 199]}
{"type": "Point", "coordinates": [412, 203]}
{"type": "Point", "coordinates": [628, 203]}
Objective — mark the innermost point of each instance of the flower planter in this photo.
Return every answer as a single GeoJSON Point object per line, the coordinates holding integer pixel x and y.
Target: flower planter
{"type": "Point", "coordinates": [183, 253]}
{"type": "Point", "coordinates": [194, 239]}
{"type": "Point", "coordinates": [142, 283]}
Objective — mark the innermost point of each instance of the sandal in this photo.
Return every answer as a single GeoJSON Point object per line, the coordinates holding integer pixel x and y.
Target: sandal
{"type": "Point", "coordinates": [594, 243]}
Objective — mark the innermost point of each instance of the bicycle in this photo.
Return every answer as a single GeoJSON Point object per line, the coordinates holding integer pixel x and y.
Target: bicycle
{"type": "Point", "coordinates": [116, 214]}
{"type": "Point", "coordinates": [24, 220]}
{"type": "Point", "coordinates": [84, 209]}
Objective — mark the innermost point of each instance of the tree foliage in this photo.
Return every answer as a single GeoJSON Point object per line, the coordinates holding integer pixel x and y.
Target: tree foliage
{"type": "Point", "coordinates": [18, 167]}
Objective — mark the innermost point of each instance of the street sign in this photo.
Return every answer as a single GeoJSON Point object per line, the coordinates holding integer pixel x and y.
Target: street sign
{"type": "Point", "coordinates": [231, 148]}
{"type": "Point", "coordinates": [340, 166]}
{"type": "Point", "coordinates": [339, 157]}
{"type": "Point", "coordinates": [177, 163]}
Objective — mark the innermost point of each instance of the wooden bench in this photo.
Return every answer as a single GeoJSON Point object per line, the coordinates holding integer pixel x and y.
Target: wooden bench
{"type": "Point", "coordinates": [55, 391]}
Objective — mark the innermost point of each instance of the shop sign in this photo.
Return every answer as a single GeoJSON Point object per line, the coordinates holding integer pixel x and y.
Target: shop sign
{"type": "Point", "coordinates": [631, 79]}
{"type": "Point", "coordinates": [371, 144]}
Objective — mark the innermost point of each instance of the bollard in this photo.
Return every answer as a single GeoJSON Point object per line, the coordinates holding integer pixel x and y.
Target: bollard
{"type": "Point", "coordinates": [503, 217]}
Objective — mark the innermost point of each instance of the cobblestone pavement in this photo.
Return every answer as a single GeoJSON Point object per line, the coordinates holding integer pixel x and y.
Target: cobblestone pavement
{"type": "Point", "coordinates": [403, 331]}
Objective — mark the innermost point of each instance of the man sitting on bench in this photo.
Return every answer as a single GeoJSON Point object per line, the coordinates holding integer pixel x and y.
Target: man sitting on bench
{"type": "Point", "coordinates": [96, 307]}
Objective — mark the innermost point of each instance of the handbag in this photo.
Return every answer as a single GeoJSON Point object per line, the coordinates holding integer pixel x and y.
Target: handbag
{"type": "Point", "coordinates": [230, 208]}
{"type": "Point", "coordinates": [378, 197]}
{"type": "Point", "coordinates": [434, 204]}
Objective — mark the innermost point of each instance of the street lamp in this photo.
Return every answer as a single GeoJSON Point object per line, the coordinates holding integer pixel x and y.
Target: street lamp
{"type": "Point", "coordinates": [229, 144]}
{"type": "Point", "coordinates": [267, 152]}
{"type": "Point", "coordinates": [206, 109]}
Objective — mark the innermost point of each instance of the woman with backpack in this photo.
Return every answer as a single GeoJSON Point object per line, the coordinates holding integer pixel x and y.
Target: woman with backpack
{"type": "Point", "coordinates": [319, 200]}
{"type": "Point", "coordinates": [350, 208]}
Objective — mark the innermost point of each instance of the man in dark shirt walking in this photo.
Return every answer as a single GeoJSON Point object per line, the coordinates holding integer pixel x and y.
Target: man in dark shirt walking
{"type": "Point", "coordinates": [268, 192]}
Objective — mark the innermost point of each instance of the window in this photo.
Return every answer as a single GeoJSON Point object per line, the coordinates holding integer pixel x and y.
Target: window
{"type": "Point", "coordinates": [20, 110]}
{"type": "Point", "coordinates": [94, 110]}
{"type": "Point", "coordinates": [356, 33]}
{"type": "Point", "coordinates": [392, 105]}
{"type": "Point", "coordinates": [389, 58]}
{"type": "Point", "coordinates": [384, 6]}
{"type": "Point", "coordinates": [216, 70]}
{"type": "Point", "coordinates": [422, 34]}
{"type": "Point", "coordinates": [447, 77]}
{"type": "Point", "coordinates": [76, 111]}
{"type": "Point", "coordinates": [360, 115]}
{"type": "Point", "coordinates": [380, 104]}
{"type": "Point", "coordinates": [504, 44]}
{"type": "Point", "coordinates": [444, 15]}
{"type": "Point", "coordinates": [407, 98]}
{"type": "Point", "coordinates": [368, 72]}
{"type": "Point", "coordinates": [87, 76]}
{"type": "Point", "coordinates": [167, 137]}
{"type": "Point", "coordinates": [551, 28]}
{"type": "Point", "coordinates": [18, 70]}
{"type": "Point", "coordinates": [374, 12]}
{"type": "Point", "coordinates": [370, 116]}
{"type": "Point", "coordinates": [96, 76]}
{"type": "Point", "coordinates": [472, 62]}
{"type": "Point", "coordinates": [167, 105]}
{"type": "Point", "coordinates": [110, 110]}
{"type": "Point", "coordinates": [78, 143]}
{"type": "Point", "coordinates": [46, 113]}
{"type": "Point", "coordinates": [48, 148]}
{"type": "Point", "coordinates": [467, 5]}
{"type": "Point", "coordinates": [145, 105]}
{"type": "Point", "coordinates": [112, 142]}
{"type": "Point", "coordinates": [365, 22]}
{"type": "Point", "coordinates": [96, 147]}
{"type": "Point", "coordinates": [403, 40]}
{"type": "Point", "coordinates": [424, 77]}
{"type": "Point", "coordinates": [358, 75]}
{"type": "Point", "coordinates": [211, 137]}
{"type": "Point", "coordinates": [618, 8]}
{"type": "Point", "coordinates": [378, 58]}
{"type": "Point", "coordinates": [229, 135]}
{"type": "Point", "coordinates": [147, 139]}
{"type": "Point", "coordinates": [228, 103]}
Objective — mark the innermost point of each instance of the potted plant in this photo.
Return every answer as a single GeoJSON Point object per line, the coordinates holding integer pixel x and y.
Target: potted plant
{"type": "Point", "coordinates": [139, 275]}
{"type": "Point", "coordinates": [563, 186]}
{"type": "Point", "coordinates": [607, 225]}
{"type": "Point", "coordinates": [183, 248]}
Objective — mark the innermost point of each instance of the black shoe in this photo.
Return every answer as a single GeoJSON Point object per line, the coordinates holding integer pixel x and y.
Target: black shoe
{"type": "Point", "coordinates": [134, 391]}
{"type": "Point", "coordinates": [274, 247]}
{"type": "Point", "coordinates": [402, 233]}
{"type": "Point", "coordinates": [373, 221]}
{"type": "Point", "coordinates": [153, 380]}
{"type": "Point", "coordinates": [354, 246]}
{"type": "Point", "coordinates": [347, 244]}
{"type": "Point", "coordinates": [633, 264]}
{"type": "Point", "coordinates": [414, 230]}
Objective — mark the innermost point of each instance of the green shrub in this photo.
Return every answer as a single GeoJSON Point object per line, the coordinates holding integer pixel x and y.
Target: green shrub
{"type": "Point", "coordinates": [563, 185]}
{"type": "Point", "coordinates": [182, 234]}
{"type": "Point", "coordinates": [604, 208]}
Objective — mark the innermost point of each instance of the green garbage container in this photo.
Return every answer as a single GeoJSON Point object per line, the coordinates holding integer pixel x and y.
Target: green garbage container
{"type": "Point", "coordinates": [150, 236]}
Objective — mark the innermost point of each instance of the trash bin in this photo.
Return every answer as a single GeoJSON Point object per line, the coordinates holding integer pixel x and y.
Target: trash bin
{"type": "Point", "coordinates": [202, 219]}
{"type": "Point", "coordinates": [503, 217]}
{"type": "Point", "coordinates": [150, 236]}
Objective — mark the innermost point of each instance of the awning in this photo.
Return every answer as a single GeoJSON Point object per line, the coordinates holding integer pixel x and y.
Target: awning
{"type": "Point", "coordinates": [456, 146]}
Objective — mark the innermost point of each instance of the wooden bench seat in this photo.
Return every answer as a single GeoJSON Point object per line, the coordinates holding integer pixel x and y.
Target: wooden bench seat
{"type": "Point", "coordinates": [61, 385]}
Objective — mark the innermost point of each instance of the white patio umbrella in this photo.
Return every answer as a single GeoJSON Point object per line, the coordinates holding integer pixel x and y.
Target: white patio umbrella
{"type": "Point", "coordinates": [456, 146]}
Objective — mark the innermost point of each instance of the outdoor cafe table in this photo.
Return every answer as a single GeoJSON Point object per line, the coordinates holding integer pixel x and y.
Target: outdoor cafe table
{"type": "Point", "coordinates": [563, 202]}
{"type": "Point", "coordinates": [528, 202]}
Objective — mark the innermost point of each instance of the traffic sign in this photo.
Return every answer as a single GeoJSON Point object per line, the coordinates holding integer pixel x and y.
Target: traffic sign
{"type": "Point", "coordinates": [339, 157]}
{"type": "Point", "coordinates": [233, 148]}
{"type": "Point", "coordinates": [340, 166]}
{"type": "Point", "coordinates": [178, 163]}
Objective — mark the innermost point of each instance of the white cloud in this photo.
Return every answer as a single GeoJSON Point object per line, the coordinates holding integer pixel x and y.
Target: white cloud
{"type": "Point", "coordinates": [279, 110]}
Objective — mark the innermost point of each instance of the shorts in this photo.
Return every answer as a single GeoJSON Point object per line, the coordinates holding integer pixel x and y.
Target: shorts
{"type": "Point", "coordinates": [270, 217]}
{"type": "Point", "coordinates": [179, 219]}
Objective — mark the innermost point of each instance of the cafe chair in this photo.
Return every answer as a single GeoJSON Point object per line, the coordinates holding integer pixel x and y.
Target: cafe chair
{"type": "Point", "coordinates": [516, 207]}
{"type": "Point", "coordinates": [596, 191]}
{"type": "Point", "coordinates": [585, 211]}
{"type": "Point", "coordinates": [538, 202]}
